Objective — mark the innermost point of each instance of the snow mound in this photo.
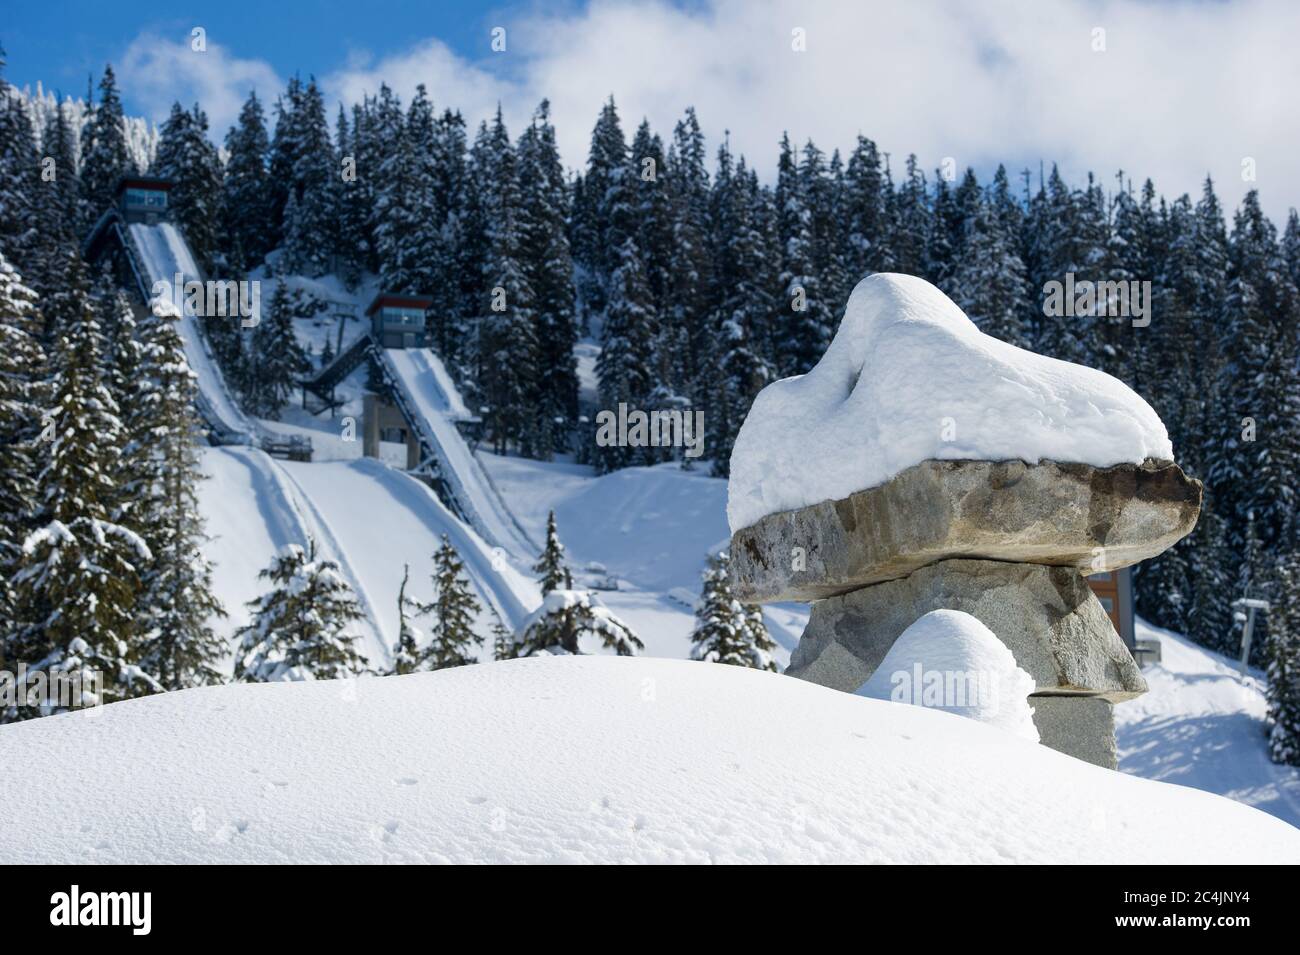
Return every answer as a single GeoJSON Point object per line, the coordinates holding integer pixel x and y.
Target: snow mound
{"type": "Point", "coordinates": [908, 378]}
{"type": "Point", "coordinates": [948, 660]}
{"type": "Point", "coordinates": [583, 759]}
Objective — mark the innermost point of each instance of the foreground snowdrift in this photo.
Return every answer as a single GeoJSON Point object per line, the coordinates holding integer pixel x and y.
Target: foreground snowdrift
{"type": "Point", "coordinates": [582, 759]}
{"type": "Point", "coordinates": [908, 378]}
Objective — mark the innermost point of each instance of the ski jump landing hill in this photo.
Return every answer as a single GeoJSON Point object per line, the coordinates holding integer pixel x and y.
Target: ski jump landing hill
{"type": "Point", "coordinates": [418, 384]}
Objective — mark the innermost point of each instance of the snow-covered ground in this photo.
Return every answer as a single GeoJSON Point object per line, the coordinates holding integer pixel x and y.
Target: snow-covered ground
{"type": "Point", "coordinates": [1201, 724]}
{"type": "Point", "coordinates": [652, 761]}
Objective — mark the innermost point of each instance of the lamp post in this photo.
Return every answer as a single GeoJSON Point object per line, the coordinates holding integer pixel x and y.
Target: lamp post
{"type": "Point", "coordinates": [1250, 605]}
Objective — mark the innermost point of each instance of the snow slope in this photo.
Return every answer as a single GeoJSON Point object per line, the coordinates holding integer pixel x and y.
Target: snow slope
{"type": "Point", "coordinates": [163, 255]}
{"type": "Point", "coordinates": [909, 378]}
{"type": "Point", "coordinates": [245, 482]}
{"type": "Point", "coordinates": [1201, 724]}
{"type": "Point", "coordinates": [383, 517]}
{"type": "Point", "coordinates": [651, 761]}
{"type": "Point", "coordinates": [426, 386]}
{"type": "Point", "coordinates": [650, 528]}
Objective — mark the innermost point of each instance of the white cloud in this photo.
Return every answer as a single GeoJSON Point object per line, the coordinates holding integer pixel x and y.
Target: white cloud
{"type": "Point", "coordinates": [155, 72]}
{"type": "Point", "coordinates": [1182, 89]}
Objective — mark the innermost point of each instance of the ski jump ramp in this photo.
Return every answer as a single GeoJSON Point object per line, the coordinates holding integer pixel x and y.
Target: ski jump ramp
{"type": "Point", "coordinates": [162, 255]}
{"type": "Point", "coordinates": [431, 403]}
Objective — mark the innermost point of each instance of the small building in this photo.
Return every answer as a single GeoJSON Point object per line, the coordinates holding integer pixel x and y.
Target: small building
{"type": "Point", "coordinates": [1115, 591]}
{"type": "Point", "coordinates": [399, 321]}
{"type": "Point", "coordinates": [142, 198]}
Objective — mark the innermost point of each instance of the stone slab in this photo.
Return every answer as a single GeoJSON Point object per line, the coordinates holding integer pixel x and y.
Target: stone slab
{"type": "Point", "coordinates": [1069, 515]}
{"type": "Point", "coordinates": [1047, 616]}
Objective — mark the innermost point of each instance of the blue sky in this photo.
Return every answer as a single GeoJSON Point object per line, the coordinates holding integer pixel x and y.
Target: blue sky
{"type": "Point", "coordinates": [58, 43]}
{"type": "Point", "coordinates": [1176, 89]}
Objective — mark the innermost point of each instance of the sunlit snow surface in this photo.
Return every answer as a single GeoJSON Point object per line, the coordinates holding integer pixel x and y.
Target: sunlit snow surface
{"type": "Point", "coordinates": [587, 759]}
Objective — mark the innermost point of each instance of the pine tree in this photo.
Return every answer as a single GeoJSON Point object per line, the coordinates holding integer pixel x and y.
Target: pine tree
{"type": "Point", "coordinates": [104, 156]}
{"type": "Point", "coordinates": [1258, 454]}
{"type": "Point", "coordinates": [988, 280]}
{"type": "Point", "coordinates": [576, 622]}
{"type": "Point", "coordinates": [727, 631]}
{"type": "Point", "coordinates": [406, 652]}
{"type": "Point", "coordinates": [20, 188]}
{"type": "Point", "coordinates": [693, 293]}
{"type": "Point", "coordinates": [22, 364]}
{"type": "Point", "coordinates": [299, 629]}
{"type": "Point", "coordinates": [503, 644]}
{"type": "Point", "coordinates": [804, 322]}
{"type": "Point", "coordinates": [408, 230]}
{"type": "Point", "coordinates": [548, 266]}
{"type": "Point", "coordinates": [910, 223]}
{"type": "Point", "coordinates": [608, 216]}
{"type": "Point", "coordinates": [177, 602]}
{"type": "Point", "coordinates": [79, 573]}
{"type": "Point", "coordinates": [310, 232]}
{"type": "Point", "coordinates": [453, 609]}
{"type": "Point", "coordinates": [625, 363]}
{"type": "Point", "coordinates": [190, 161]}
{"type": "Point", "coordinates": [508, 350]}
{"type": "Point", "coordinates": [276, 358]}
{"type": "Point", "coordinates": [1284, 667]}
{"type": "Point", "coordinates": [246, 189]}
{"type": "Point", "coordinates": [554, 572]}
{"type": "Point", "coordinates": [746, 279]}
{"type": "Point", "coordinates": [60, 197]}
{"type": "Point", "coordinates": [866, 212]}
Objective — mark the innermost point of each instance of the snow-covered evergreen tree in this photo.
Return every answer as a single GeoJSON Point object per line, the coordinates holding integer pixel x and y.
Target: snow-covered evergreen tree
{"type": "Point", "coordinates": [276, 359]}
{"type": "Point", "coordinates": [508, 375]}
{"type": "Point", "coordinates": [311, 233]}
{"type": "Point", "coordinates": [299, 630]}
{"type": "Point", "coordinates": [866, 211]}
{"type": "Point", "coordinates": [22, 367]}
{"type": "Point", "coordinates": [625, 366]}
{"type": "Point", "coordinates": [177, 603]}
{"type": "Point", "coordinates": [245, 191]}
{"type": "Point", "coordinates": [550, 565]}
{"type": "Point", "coordinates": [190, 161]}
{"type": "Point", "coordinates": [79, 574]}
{"type": "Point", "coordinates": [104, 154]}
{"type": "Point", "coordinates": [574, 621]}
{"type": "Point", "coordinates": [453, 609]}
{"type": "Point", "coordinates": [1284, 667]}
{"type": "Point", "coordinates": [549, 269]}
{"type": "Point", "coordinates": [20, 187]}
{"type": "Point", "coordinates": [727, 631]}
{"type": "Point", "coordinates": [988, 279]}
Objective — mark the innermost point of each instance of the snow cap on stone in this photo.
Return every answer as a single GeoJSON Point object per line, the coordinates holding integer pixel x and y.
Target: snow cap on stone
{"type": "Point", "coordinates": [909, 377]}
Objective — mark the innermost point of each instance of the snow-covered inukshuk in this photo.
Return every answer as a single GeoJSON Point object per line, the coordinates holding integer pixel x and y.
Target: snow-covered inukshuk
{"type": "Point", "coordinates": [922, 465]}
